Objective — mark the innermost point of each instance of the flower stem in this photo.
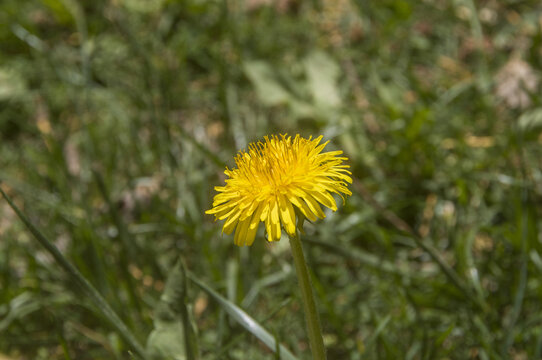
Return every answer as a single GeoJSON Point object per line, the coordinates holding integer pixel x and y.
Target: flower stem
{"type": "Point", "coordinates": [309, 306]}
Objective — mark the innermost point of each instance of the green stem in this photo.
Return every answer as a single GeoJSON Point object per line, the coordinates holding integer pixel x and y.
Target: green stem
{"type": "Point", "coordinates": [80, 280]}
{"type": "Point", "coordinates": [309, 306]}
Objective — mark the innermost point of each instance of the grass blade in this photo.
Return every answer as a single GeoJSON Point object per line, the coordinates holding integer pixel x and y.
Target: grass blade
{"type": "Point", "coordinates": [101, 305]}
{"type": "Point", "coordinates": [244, 320]}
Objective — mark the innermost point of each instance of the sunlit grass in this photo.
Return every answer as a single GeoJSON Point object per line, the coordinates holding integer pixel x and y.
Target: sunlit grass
{"type": "Point", "coordinates": [117, 120]}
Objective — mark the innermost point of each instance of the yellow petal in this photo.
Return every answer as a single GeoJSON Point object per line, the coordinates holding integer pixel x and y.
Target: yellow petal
{"type": "Point", "coordinates": [247, 212]}
{"type": "Point", "coordinates": [302, 206]}
{"type": "Point", "coordinates": [253, 227]}
{"type": "Point", "coordinates": [227, 213]}
{"type": "Point", "coordinates": [268, 227]}
{"type": "Point", "coordinates": [273, 224]}
{"type": "Point", "coordinates": [274, 213]}
{"type": "Point", "coordinates": [287, 214]}
{"type": "Point", "coordinates": [265, 211]}
{"type": "Point", "coordinates": [230, 224]}
{"type": "Point", "coordinates": [324, 198]}
{"type": "Point", "coordinates": [313, 205]}
{"type": "Point", "coordinates": [241, 233]}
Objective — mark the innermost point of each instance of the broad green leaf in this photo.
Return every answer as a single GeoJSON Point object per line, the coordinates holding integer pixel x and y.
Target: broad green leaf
{"type": "Point", "coordinates": [322, 77]}
{"type": "Point", "coordinates": [269, 90]}
{"type": "Point", "coordinates": [531, 120]}
{"type": "Point", "coordinates": [12, 84]}
{"type": "Point", "coordinates": [174, 334]}
{"type": "Point", "coordinates": [166, 340]}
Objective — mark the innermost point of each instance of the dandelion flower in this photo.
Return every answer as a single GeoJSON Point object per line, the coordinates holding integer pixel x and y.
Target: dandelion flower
{"type": "Point", "coordinates": [279, 181]}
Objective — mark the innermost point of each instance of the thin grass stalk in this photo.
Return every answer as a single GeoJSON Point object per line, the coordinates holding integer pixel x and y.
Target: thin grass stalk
{"type": "Point", "coordinates": [401, 225]}
{"type": "Point", "coordinates": [101, 305]}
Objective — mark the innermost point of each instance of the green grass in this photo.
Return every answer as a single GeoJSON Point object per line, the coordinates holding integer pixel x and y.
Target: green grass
{"type": "Point", "coordinates": [117, 119]}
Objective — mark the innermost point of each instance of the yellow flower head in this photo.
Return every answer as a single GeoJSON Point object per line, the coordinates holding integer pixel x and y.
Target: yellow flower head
{"type": "Point", "coordinates": [275, 181]}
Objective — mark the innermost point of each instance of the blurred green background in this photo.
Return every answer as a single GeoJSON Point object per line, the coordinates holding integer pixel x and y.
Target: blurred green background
{"type": "Point", "coordinates": [118, 117]}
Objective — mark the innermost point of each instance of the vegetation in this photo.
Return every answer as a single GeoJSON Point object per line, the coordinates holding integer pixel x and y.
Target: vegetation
{"type": "Point", "coordinates": [118, 117]}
